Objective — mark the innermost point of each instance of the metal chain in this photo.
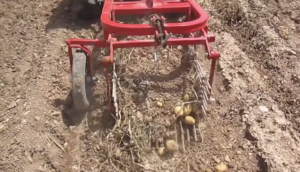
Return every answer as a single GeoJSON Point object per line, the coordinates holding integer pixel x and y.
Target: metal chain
{"type": "Point", "coordinates": [163, 42]}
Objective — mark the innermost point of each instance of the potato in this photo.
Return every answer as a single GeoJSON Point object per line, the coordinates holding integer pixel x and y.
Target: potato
{"type": "Point", "coordinates": [159, 104]}
{"type": "Point", "coordinates": [221, 168]}
{"type": "Point", "coordinates": [172, 146]}
{"type": "Point", "coordinates": [189, 120]}
{"type": "Point", "coordinates": [186, 97]}
{"type": "Point", "coordinates": [161, 151]}
{"type": "Point", "coordinates": [178, 110]}
{"type": "Point", "coordinates": [187, 110]}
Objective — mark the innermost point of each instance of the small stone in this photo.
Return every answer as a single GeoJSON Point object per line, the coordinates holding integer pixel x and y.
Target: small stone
{"type": "Point", "coordinates": [143, 54]}
{"type": "Point", "coordinates": [249, 143]}
{"type": "Point", "coordinates": [72, 127]}
{"type": "Point", "coordinates": [148, 118]}
{"type": "Point", "coordinates": [202, 126]}
{"type": "Point", "coordinates": [244, 119]}
{"type": "Point", "coordinates": [55, 113]}
{"type": "Point", "coordinates": [227, 159]}
{"type": "Point", "coordinates": [217, 160]}
{"type": "Point", "coordinates": [118, 153]}
{"type": "Point", "coordinates": [239, 152]}
{"type": "Point", "coordinates": [12, 105]}
{"type": "Point", "coordinates": [150, 56]}
{"type": "Point", "coordinates": [263, 109]}
{"type": "Point", "coordinates": [37, 118]}
{"type": "Point", "coordinates": [1, 127]}
{"type": "Point", "coordinates": [29, 158]}
{"type": "Point", "coordinates": [179, 47]}
{"type": "Point", "coordinates": [245, 146]}
{"type": "Point", "coordinates": [139, 115]}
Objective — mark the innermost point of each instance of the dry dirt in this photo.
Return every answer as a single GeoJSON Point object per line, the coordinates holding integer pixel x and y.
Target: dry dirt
{"type": "Point", "coordinates": [252, 126]}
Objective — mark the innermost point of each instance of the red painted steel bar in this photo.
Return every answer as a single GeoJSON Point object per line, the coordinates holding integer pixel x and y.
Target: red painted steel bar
{"type": "Point", "coordinates": [140, 43]}
{"type": "Point", "coordinates": [142, 8]}
{"type": "Point", "coordinates": [145, 29]}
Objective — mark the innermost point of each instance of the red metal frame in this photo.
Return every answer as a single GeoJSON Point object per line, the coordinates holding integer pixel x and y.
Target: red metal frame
{"type": "Point", "coordinates": [196, 22]}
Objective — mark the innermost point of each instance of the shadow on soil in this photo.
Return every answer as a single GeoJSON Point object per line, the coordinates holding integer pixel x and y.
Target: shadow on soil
{"type": "Point", "coordinates": [98, 117]}
{"type": "Point", "coordinates": [74, 15]}
{"type": "Point", "coordinates": [263, 166]}
{"type": "Point", "coordinates": [78, 14]}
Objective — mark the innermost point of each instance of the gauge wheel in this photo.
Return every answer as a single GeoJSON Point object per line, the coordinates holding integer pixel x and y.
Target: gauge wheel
{"type": "Point", "coordinates": [79, 84]}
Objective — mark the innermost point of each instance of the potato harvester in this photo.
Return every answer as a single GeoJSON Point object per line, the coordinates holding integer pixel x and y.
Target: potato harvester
{"type": "Point", "coordinates": [194, 30]}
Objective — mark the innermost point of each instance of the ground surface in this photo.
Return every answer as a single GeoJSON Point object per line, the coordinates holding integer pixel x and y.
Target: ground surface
{"type": "Point", "coordinates": [253, 124]}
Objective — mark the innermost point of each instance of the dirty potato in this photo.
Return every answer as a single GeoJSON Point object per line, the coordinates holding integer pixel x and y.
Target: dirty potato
{"type": "Point", "coordinates": [187, 110]}
{"type": "Point", "coordinates": [189, 120]}
{"type": "Point", "coordinates": [172, 146]}
{"type": "Point", "coordinates": [161, 151]}
{"type": "Point", "coordinates": [221, 168]}
{"type": "Point", "coordinates": [178, 110]}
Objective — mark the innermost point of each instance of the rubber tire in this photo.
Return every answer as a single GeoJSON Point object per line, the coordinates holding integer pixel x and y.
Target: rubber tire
{"type": "Point", "coordinates": [80, 99]}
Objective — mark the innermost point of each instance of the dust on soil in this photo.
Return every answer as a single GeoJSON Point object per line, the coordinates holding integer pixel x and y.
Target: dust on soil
{"type": "Point", "coordinates": [259, 43]}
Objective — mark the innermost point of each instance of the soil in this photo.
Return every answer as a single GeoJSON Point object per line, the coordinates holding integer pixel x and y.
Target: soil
{"type": "Point", "coordinates": [251, 126]}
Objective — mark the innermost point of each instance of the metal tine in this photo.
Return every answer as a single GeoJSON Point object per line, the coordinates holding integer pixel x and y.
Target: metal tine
{"type": "Point", "coordinates": [204, 106]}
{"type": "Point", "coordinates": [203, 110]}
{"type": "Point", "coordinates": [205, 95]}
{"type": "Point", "coordinates": [201, 73]}
{"type": "Point", "coordinates": [195, 133]}
{"type": "Point", "coordinates": [201, 90]}
{"type": "Point", "coordinates": [204, 89]}
{"type": "Point", "coordinates": [188, 135]}
{"type": "Point", "coordinates": [200, 68]}
{"type": "Point", "coordinates": [182, 136]}
{"type": "Point", "coordinates": [204, 102]}
{"type": "Point", "coordinates": [207, 86]}
{"type": "Point", "coordinates": [176, 137]}
{"type": "Point", "coordinates": [207, 83]}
